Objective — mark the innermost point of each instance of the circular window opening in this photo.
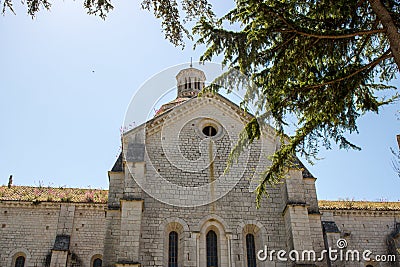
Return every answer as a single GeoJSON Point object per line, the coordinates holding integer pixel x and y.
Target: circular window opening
{"type": "Point", "coordinates": [209, 131]}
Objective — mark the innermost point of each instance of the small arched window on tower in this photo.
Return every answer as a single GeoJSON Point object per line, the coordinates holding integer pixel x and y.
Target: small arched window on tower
{"type": "Point", "coordinates": [251, 251]}
{"type": "Point", "coordinates": [20, 261]}
{"type": "Point", "coordinates": [173, 249]}
{"type": "Point", "coordinates": [186, 83]}
{"type": "Point", "coordinates": [212, 249]}
{"type": "Point", "coordinates": [190, 83]}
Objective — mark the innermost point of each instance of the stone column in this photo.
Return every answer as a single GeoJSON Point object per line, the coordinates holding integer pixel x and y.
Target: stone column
{"type": "Point", "coordinates": [113, 216]}
{"type": "Point", "coordinates": [59, 253]}
{"type": "Point", "coordinates": [231, 262]}
{"type": "Point", "coordinates": [197, 236]}
{"type": "Point", "coordinates": [190, 248]}
{"type": "Point", "coordinates": [112, 235]}
{"type": "Point", "coordinates": [66, 219]}
{"type": "Point", "coordinates": [131, 219]}
{"type": "Point", "coordinates": [59, 258]}
{"type": "Point", "coordinates": [331, 236]}
{"type": "Point", "coordinates": [296, 217]}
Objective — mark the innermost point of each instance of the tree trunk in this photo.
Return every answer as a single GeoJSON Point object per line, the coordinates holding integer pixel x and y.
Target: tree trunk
{"type": "Point", "coordinates": [391, 30]}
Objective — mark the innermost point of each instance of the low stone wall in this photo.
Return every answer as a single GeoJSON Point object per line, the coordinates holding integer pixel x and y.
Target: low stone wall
{"type": "Point", "coordinates": [376, 230]}
{"type": "Point", "coordinates": [30, 229]}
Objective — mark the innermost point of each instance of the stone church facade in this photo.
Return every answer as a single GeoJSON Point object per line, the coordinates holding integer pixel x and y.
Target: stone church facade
{"type": "Point", "coordinates": [170, 203]}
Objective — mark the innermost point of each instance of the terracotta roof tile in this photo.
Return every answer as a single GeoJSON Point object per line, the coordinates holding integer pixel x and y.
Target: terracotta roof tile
{"type": "Point", "coordinates": [357, 205]}
{"type": "Point", "coordinates": [52, 194]}
{"type": "Point", "coordinates": [80, 195]}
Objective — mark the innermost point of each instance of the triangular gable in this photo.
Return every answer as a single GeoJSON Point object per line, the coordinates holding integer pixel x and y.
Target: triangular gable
{"type": "Point", "coordinates": [219, 102]}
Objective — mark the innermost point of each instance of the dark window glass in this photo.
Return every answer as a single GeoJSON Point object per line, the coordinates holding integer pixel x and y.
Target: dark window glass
{"type": "Point", "coordinates": [212, 249]}
{"type": "Point", "coordinates": [47, 260]}
{"type": "Point", "coordinates": [251, 251]}
{"type": "Point", "coordinates": [173, 249]}
{"type": "Point", "coordinates": [20, 261]}
{"type": "Point", "coordinates": [209, 131]}
{"type": "Point", "coordinates": [97, 263]}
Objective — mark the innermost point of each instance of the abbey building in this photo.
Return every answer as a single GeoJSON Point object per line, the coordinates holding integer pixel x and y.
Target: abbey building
{"type": "Point", "coordinates": [170, 203]}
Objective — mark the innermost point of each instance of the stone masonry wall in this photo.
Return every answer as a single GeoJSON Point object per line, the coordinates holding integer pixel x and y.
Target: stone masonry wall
{"type": "Point", "coordinates": [364, 230]}
{"type": "Point", "coordinates": [177, 151]}
{"type": "Point", "coordinates": [31, 229]}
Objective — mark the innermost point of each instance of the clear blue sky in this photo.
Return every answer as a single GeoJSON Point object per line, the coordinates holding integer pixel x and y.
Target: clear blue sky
{"type": "Point", "coordinates": [67, 79]}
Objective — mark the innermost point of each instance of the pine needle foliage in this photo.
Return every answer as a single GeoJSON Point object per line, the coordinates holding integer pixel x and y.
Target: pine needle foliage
{"type": "Point", "coordinates": [321, 62]}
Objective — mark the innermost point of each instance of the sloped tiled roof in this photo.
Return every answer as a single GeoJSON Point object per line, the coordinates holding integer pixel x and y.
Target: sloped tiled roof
{"type": "Point", "coordinates": [52, 194]}
{"type": "Point", "coordinates": [171, 104]}
{"type": "Point", "coordinates": [100, 196]}
{"type": "Point", "coordinates": [358, 205]}
{"type": "Point", "coordinates": [118, 166]}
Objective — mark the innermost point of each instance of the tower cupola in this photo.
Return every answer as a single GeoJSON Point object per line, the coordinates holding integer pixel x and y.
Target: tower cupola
{"type": "Point", "coordinates": [189, 82]}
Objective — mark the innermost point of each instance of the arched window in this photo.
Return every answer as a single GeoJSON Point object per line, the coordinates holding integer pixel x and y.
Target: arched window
{"type": "Point", "coordinates": [212, 249]}
{"type": "Point", "coordinates": [251, 251]}
{"type": "Point", "coordinates": [97, 262]}
{"type": "Point", "coordinates": [173, 249]}
{"type": "Point", "coordinates": [20, 261]}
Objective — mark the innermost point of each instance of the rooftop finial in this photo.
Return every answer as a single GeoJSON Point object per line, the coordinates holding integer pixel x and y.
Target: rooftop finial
{"type": "Point", "coordinates": [191, 64]}
{"type": "Point", "coordinates": [10, 181]}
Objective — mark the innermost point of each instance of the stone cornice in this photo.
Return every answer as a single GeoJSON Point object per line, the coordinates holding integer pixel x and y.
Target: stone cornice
{"type": "Point", "coordinates": [54, 205]}
{"type": "Point", "coordinates": [372, 213]}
